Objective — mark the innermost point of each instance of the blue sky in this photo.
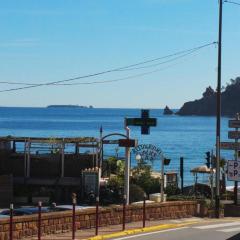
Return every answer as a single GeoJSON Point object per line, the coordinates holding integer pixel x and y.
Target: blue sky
{"type": "Point", "coordinates": [44, 41]}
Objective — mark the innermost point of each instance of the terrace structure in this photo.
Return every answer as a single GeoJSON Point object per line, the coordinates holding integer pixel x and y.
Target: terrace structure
{"type": "Point", "coordinates": [56, 164]}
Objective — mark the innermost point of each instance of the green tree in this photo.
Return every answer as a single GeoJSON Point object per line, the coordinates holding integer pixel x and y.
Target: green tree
{"type": "Point", "coordinates": [141, 176]}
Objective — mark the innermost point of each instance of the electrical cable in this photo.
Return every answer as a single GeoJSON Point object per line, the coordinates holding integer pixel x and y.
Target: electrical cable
{"type": "Point", "coordinates": [106, 81]}
{"type": "Point", "coordinates": [29, 85]}
{"type": "Point", "coordinates": [236, 3]}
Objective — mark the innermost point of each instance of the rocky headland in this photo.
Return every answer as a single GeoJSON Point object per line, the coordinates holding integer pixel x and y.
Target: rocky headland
{"type": "Point", "coordinates": [167, 111]}
{"type": "Point", "coordinates": [206, 106]}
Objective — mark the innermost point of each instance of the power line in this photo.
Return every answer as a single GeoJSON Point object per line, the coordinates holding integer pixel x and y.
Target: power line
{"type": "Point", "coordinates": [153, 65]}
{"type": "Point", "coordinates": [116, 80]}
{"type": "Point", "coordinates": [108, 81]}
{"type": "Point", "coordinates": [29, 85]}
{"type": "Point", "coordinates": [236, 3]}
{"type": "Point", "coordinates": [168, 56]}
{"type": "Point", "coordinates": [157, 64]}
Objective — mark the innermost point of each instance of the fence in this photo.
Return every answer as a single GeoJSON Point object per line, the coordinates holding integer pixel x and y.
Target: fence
{"type": "Point", "coordinates": [17, 227]}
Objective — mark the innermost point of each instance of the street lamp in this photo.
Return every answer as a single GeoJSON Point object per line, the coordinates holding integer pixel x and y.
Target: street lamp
{"type": "Point", "coordinates": [138, 158]}
{"type": "Point", "coordinates": [162, 178]}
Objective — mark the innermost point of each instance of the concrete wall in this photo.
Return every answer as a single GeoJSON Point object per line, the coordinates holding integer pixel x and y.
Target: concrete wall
{"type": "Point", "coordinates": [59, 222]}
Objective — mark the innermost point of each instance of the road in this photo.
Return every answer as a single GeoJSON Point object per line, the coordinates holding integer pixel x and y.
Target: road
{"type": "Point", "coordinates": [219, 230]}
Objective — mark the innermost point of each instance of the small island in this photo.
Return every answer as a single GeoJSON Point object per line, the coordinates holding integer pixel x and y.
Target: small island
{"type": "Point", "coordinates": [68, 106]}
{"type": "Point", "coordinates": [167, 111]}
{"type": "Point", "coordinates": [206, 106]}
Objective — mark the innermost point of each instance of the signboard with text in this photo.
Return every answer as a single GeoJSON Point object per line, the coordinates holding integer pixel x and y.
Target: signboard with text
{"type": "Point", "coordinates": [233, 170]}
{"type": "Point", "coordinates": [148, 152]}
{"type": "Point", "coordinates": [230, 146]}
{"type": "Point", "coordinates": [151, 122]}
{"type": "Point", "coordinates": [234, 123]}
{"type": "Point", "coordinates": [127, 143]}
{"type": "Point", "coordinates": [145, 122]}
{"type": "Point", "coordinates": [90, 182]}
{"type": "Point", "coordinates": [234, 135]}
{"type": "Point", "coordinates": [110, 141]}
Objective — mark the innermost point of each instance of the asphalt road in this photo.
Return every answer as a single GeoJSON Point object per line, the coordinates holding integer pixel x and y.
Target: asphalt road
{"type": "Point", "coordinates": [219, 230]}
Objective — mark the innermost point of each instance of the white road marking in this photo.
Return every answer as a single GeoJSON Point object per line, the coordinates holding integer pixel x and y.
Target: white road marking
{"type": "Point", "coordinates": [218, 225]}
{"type": "Point", "coordinates": [151, 233]}
{"type": "Point", "coordinates": [230, 230]}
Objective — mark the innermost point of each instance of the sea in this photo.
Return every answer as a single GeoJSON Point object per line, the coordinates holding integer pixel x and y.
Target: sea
{"type": "Point", "coordinates": [189, 137]}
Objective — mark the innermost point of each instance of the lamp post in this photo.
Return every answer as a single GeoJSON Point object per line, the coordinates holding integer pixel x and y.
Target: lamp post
{"type": "Point", "coordinates": [138, 158]}
{"type": "Point", "coordinates": [162, 179]}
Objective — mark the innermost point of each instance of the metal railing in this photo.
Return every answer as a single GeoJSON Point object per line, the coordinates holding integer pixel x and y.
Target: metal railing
{"type": "Point", "coordinates": [74, 201]}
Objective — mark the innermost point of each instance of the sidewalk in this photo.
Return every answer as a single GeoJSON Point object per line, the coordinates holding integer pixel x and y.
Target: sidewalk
{"type": "Point", "coordinates": [88, 233]}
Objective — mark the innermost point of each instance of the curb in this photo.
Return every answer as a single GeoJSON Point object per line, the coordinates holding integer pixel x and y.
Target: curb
{"type": "Point", "coordinates": [141, 230]}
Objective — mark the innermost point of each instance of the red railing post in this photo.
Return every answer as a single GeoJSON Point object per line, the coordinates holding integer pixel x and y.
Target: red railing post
{"type": "Point", "coordinates": [39, 219]}
{"type": "Point", "coordinates": [11, 222]}
{"type": "Point", "coordinates": [124, 212]}
{"type": "Point", "coordinates": [97, 216]}
{"type": "Point", "coordinates": [144, 211]}
{"type": "Point", "coordinates": [74, 201]}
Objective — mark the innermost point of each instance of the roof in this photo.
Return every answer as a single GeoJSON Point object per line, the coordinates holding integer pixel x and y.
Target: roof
{"type": "Point", "coordinates": [50, 140]}
{"type": "Point", "coordinates": [201, 169]}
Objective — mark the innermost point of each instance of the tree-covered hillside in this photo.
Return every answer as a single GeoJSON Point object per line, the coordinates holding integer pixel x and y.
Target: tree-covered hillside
{"type": "Point", "coordinates": [206, 106]}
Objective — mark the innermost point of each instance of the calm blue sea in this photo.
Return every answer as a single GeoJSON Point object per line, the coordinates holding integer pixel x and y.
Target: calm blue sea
{"type": "Point", "coordinates": [189, 137]}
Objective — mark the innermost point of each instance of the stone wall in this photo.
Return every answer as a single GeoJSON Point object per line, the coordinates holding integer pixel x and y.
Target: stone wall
{"type": "Point", "coordinates": [58, 222]}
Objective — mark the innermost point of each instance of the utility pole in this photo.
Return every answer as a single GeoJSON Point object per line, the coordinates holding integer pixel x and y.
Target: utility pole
{"type": "Point", "coordinates": [218, 128]}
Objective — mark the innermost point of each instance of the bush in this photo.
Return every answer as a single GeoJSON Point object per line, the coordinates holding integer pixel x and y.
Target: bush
{"type": "Point", "coordinates": [227, 196]}
{"type": "Point", "coordinates": [211, 204]}
{"type": "Point", "coordinates": [180, 198]}
{"type": "Point", "coordinates": [136, 193]}
{"type": "Point", "coordinates": [172, 190]}
{"type": "Point", "coordinates": [113, 192]}
{"type": "Point", "coordinates": [142, 177]}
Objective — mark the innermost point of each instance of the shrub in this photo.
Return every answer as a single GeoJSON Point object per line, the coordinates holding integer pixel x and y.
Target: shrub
{"type": "Point", "coordinates": [142, 177]}
{"type": "Point", "coordinates": [136, 193]}
{"type": "Point", "coordinates": [180, 198]}
{"type": "Point", "coordinates": [172, 190]}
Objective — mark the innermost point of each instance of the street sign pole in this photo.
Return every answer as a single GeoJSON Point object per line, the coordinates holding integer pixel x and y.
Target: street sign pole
{"type": "Point", "coordinates": [233, 146]}
{"type": "Point", "coordinates": [211, 177]}
{"type": "Point", "coordinates": [236, 158]}
{"type": "Point", "coordinates": [127, 168]}
{"type": "Point", "coordinates": [162, 179]}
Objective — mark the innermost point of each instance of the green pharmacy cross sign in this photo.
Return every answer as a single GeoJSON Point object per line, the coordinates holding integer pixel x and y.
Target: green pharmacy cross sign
{"type": "Point", "coordinates": [145, 122]}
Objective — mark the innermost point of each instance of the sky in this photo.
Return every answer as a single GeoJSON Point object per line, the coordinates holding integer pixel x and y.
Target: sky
{"type": "Point", "coordinates": [45, 41]}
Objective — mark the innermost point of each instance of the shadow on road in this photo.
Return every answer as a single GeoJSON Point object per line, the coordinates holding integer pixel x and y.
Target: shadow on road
{"type": "Point", "coordinates": [235, 237]}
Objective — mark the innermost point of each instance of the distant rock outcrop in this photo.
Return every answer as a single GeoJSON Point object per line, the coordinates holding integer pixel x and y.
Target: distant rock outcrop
{"type": "Point", "coordinates": [167, 111]}
{"type": "Point", "coordinates": [206, 106]}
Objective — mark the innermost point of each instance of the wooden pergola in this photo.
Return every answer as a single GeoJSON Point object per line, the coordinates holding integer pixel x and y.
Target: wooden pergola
{"type": "Point", "coordinates": [59, 144]}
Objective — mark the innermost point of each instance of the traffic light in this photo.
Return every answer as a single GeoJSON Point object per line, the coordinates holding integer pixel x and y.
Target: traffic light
{"type": "Point", "coordinates": [167, 161]}
{"type": "Point", "coordinates": [208, 158]}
